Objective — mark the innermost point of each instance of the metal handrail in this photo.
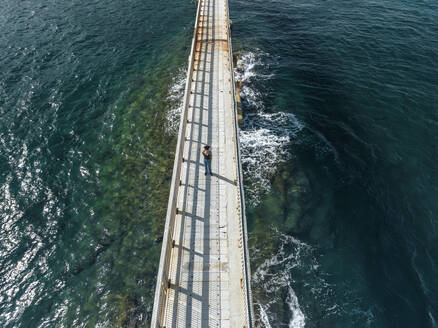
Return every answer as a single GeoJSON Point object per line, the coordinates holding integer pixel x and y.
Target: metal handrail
{"type": "Point", "coordinates": [161, 286]}
{"type": "Point", "coordinates": [247, 270]}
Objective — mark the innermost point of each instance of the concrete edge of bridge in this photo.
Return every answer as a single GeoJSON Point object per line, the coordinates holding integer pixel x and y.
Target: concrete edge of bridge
{"type": "Point", "coordinates": [247, 268]}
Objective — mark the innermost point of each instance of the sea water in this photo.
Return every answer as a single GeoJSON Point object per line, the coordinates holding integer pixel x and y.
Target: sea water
{"type": "Point", "coordinates": [339, 148]}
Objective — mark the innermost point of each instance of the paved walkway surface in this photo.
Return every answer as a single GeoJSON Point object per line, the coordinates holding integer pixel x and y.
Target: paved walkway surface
{"type": "Point", "coordinates": [206, 264]}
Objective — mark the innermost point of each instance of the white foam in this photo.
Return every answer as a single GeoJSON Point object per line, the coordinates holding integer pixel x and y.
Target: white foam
{"type": "Point", "coordinates": [245, 66]}
{"type": "Point", "coordinates": [248, 64]}
{"type": "Point", "coordinates": [266, 140]}
{"type": "Point", "coordinates": [175, 96]}
{"type": "Point", "coordinates": [432, 319]}
{"type": "Point", "coordinates": [252, 98]}
{"type": "Point", "coordinates": [262, 151]}
{"type": "Point", "coordinates": [298, 320]}
{"type": "Point", "coordinates": [265, 137]}
{"type": "Point", "coordinates": [264, 317]}
{"type": "Point", "coordinates": [275, 275]}
{"type": "Point", "coordinates": [247, 71]}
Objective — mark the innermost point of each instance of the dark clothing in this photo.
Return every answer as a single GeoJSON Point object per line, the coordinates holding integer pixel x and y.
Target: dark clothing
{"type": "Point", "coordinates": [207, 161]}
{"type": "Point", "coordinates": [208, 156]}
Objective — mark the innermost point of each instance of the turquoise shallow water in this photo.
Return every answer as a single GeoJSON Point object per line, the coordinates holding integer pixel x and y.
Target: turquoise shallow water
{"type": "Point", "coordinates": [339, 150]}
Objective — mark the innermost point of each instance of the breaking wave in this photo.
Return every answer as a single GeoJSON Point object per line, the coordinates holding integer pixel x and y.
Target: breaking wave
{"type": "Point", "coordinates": [265, 140]}
{"type": "Point", "coordinates": [175, 98]}
{"type": "Point", "coordinates": [265, 137]}
{"type": "Point", "coordinates": [274, 276]}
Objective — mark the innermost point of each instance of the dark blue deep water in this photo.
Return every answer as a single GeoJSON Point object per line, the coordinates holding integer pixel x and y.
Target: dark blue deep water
{"type": "Point", "coordinates": [340, 150]}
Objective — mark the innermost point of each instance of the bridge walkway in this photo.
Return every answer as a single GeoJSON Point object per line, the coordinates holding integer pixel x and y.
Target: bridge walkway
{"type": "Point", "coordinates": [205, 282]}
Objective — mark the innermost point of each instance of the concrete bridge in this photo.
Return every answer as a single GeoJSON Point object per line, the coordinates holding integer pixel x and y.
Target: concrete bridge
{"type": "Point", "coordinates": [204, 276]}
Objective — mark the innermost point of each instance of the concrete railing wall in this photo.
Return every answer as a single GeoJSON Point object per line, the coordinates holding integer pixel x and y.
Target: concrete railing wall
{"type": "Point", "coordinates": [163, 269]}
{"type": "Point", "coordinates": [243, 235]}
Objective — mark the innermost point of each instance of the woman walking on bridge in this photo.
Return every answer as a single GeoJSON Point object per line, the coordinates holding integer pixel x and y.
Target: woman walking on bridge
{"type": "Point", "coordinates": [207, 159]}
